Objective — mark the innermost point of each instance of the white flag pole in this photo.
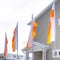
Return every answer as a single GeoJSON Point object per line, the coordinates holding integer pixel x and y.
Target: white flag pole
{"type": "Point", "coordinates": [55, 24]}
{"type": "Point", "coordinates": [31, 33]}
{"type": "Point", "coordinates": [17, 41]}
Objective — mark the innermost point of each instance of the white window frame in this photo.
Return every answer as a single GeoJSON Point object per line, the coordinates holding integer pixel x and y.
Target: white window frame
{"type": "Point", "coordinates": [58, 21]}
{"type": "Point", "coordinates": [57, 51]}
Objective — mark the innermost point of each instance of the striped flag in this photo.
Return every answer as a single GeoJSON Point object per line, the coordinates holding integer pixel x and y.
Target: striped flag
{"type": "Point", "coordinates": [32, 34]}
{"type": "Point", "coordinates": [5, 49]}
{"type": "Point", "coordinates": [15, 39]}
{"type": "Point", "coordinates": [51, 29]}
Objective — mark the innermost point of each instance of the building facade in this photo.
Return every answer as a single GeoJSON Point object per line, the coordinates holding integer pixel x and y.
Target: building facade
{"type": "Point", "coordinates": [42, 51]}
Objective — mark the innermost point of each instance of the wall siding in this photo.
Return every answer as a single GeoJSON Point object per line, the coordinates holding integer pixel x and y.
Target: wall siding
{"type": "Point", "coordinates": [42, 31]}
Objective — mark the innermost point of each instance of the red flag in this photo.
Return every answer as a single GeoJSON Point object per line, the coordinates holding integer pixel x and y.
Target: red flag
{"type": "Point", "coordinates": [15, 39]}
{"type": "Point", "coordinates": [5, 49]}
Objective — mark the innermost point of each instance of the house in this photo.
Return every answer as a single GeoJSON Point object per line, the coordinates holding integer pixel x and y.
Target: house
{"type": "Point", "coordinates": [40, 49]}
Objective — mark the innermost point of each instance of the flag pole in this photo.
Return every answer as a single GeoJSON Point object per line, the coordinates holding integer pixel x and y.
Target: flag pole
{"type": "Point", "coordinates": [55, 24]}
{"type": "Point", "coordinates": [17, 40]}
{"type": "Point", "coordinates": [5, 48]}
{"type": "Point", "coordinates": [32, 39]}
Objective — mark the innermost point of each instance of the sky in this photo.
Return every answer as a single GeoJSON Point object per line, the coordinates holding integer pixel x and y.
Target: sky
{"type": "Point", "coordinates": [13, 11]}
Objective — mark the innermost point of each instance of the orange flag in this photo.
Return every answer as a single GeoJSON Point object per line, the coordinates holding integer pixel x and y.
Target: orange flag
{"type": "Point", "coordinates": [15, 39]}
{"type": "Point", "coordinates": [32, 34]}
{"type": "Point", "coordinates": [34, 29]}
{"type": "Point", "coordinates": [51, 29]}
{"type": "Point", "coordinates": [5, 49]}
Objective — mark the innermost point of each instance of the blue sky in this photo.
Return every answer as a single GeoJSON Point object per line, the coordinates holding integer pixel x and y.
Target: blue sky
{"type": "Point", "coordinates": [13, 11]}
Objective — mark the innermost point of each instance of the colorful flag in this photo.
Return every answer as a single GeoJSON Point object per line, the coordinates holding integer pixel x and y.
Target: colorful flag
{"type": "Point", "coordinates": [5, 49]}
{"type": "Point", "coordinates": [15, 39]}
{"type": "Point", "coordinates": [34, 29]}
{"type": "Point", "coordinates": [32, 34]}
{"type": "Point", "coordinates": [51, 29]}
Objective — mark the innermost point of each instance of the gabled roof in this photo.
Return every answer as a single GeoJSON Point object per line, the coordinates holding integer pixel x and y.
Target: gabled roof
{"type": "Point", "coordinates": [45, 10]}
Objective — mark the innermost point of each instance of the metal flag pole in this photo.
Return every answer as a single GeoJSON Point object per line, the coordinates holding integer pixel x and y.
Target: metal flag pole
{"type": "Point", "coordinates": [55, 24]}
{"type": "Point", "coordinates": [32, 39]}
{"type": "Point", "coordinates": [32, 32]}
{"type": "Point", "coordinates": [17, 40]}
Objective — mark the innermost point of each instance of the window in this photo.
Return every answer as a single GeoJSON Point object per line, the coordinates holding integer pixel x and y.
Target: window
{"type": "Point", "coordinates": [58, 21]}
{"type": "Point", "coordinates": [56, 53]}
{"type": "Point", "coordinates": [59, 53]}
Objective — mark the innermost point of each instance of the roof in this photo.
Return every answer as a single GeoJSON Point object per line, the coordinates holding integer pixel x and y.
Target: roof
{"type": "Point", "coordinates": [45, 10]}
{"type": "Point", "coordinates": [36, 46]}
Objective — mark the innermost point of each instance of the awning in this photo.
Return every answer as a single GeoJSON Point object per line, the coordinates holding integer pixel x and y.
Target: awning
{"type": "Point", "coordinates": [36, 46]}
